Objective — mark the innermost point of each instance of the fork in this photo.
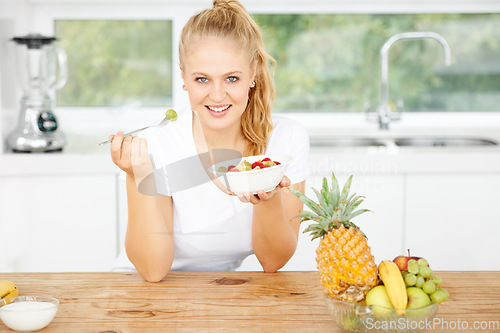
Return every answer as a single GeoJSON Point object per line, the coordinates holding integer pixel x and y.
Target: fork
{"type": "Point", "coordinates": [171, 115]}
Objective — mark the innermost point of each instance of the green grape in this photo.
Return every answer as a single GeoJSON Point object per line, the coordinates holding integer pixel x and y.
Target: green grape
{"type": "Point", "coordinates": [426, 272]}
{"type": "Point", "coordinates": [222, 169]}
{"type": "Point", "coordinates": [420, 281]}
{"type": "Point", "coordinates": [410, 279]}
{"type": "Point", "coordinates": [437, 280]}
{"type": "Point", "coordinates": [422, 262]}
{"type": "Point", "coordinates": [447, 294]}
{"type": "Point", "coordinates": [429, 287]}
{"type": "Point", "coordinates": [413, 266]}
{"type": "Point", "coordinates": [440, 295]}
{"type": "Point", "coordinates": [171, 114]}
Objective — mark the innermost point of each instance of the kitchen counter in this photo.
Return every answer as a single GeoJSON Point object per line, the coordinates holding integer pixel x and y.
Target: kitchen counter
{"type": "Point", "coordinates": [364, 160]}
{"type": "Point", "coordinates": [230, 302]}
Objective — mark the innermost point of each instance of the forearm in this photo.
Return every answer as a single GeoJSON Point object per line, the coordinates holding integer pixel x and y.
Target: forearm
{"type": "Point", "coordinates": [274, 239]}
{"type": "Point", "coordinates": [149, 239]}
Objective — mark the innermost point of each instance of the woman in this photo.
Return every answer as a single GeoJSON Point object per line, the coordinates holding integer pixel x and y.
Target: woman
{"type": "Point", "coordinates": [225, 71]}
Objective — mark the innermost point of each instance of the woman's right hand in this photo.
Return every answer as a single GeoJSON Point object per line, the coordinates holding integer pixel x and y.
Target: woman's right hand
{"type": "Point", "coordinates": [131, 155]}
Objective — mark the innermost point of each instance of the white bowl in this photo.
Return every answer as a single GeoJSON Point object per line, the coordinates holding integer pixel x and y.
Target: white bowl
{"type": "Point", "coordinates": [28, 313]}
{"type": "Point", "coordinates": [254, 180]}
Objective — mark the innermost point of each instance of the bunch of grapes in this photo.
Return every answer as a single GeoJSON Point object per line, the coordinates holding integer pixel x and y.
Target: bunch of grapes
{"type": "Point", "coordinates": [420, 275]}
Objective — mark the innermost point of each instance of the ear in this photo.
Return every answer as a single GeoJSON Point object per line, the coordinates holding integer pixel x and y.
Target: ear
{"type": "Point", "coordinates": [253, 71]}
{"type": "Point", "coordinates": [183, 80]}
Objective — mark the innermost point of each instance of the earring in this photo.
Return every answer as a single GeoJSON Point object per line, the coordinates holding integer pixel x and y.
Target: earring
{"type": "Point", "coordinates": [253, 84]}
{"type": "Point", "coordinates": [183, 87]}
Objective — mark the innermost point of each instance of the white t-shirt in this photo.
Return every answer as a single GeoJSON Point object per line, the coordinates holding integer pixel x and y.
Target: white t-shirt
{"type": "Point", "coordinates": [212, 230]}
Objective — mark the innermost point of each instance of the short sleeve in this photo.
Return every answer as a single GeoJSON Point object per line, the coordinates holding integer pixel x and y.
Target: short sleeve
{"type": "Point", "coordinates": [291, 137]}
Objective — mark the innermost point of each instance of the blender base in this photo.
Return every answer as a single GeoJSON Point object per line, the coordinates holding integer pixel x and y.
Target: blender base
{"type": "Point", "coordinates": [59, 150]}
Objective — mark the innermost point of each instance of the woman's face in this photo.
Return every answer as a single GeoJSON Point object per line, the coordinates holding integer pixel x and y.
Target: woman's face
{"type": "Point", "coordinates": [218, 76]}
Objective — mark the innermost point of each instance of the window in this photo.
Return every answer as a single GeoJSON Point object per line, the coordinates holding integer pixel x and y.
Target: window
{"type": "Point", "coordinates": [116, 62]}
{"type": "Point", "coordinates": [331, 62]}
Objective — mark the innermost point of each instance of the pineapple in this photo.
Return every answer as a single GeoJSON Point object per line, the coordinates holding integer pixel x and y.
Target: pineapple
{"type": "Point", "coordinates": [345, 264]}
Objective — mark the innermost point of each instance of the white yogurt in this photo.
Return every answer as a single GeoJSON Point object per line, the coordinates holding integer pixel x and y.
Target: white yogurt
{"type": "Point", "coordinates": [27, 316]}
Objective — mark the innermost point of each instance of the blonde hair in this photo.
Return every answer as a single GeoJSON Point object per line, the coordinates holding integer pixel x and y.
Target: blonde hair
{"type": "Point", "coordinates": [229, 19]}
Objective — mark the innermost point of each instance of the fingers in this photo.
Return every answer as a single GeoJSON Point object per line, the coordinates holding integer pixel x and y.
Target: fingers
{"type": "Point", "coordinates": [248, 198]}
{"type": "Point", "coordinates": [116, 145]}
{"type": "Point", "coordinates": [126, 148]}
{"type": "Point", "coordinates": [135, 150]}
{"type": "Point", "coordinates": [285, 182]}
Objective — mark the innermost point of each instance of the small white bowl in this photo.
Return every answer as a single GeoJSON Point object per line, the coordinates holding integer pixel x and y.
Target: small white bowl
{"type": "Point", "coordinates": [28, 313]}
{"type": "Point", "coordinates": [254, 180]}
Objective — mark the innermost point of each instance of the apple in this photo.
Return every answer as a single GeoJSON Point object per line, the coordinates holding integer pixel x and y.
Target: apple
{"type": "Point", "coordinates": [379, 299]}
{"type": "Point", "coordinates": [402, 261]}
{"type": "Point", "coordinates": [417, 298]}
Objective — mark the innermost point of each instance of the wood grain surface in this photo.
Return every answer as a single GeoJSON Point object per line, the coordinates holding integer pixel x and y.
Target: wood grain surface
{"type": "Point", "coordinates": [228, 301]}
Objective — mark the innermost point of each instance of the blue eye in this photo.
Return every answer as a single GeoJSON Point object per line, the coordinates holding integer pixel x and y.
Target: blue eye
{"type": "Point", "coordinates": [201, 79]}
{"type": "Point", "coordinates": [232, 79]}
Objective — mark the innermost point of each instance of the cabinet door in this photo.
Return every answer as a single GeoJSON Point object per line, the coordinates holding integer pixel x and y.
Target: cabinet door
{"type": "Point", "coordinates": [453, 220]}
{"type": "Point", "coordinates": [58, 223]}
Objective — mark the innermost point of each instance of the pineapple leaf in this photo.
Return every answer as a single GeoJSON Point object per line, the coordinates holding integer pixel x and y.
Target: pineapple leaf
{"type": "Point", "coordinates": [321, 199]}
{"type": "Point", "coordinates": [334, 192]}
{"type": "Point", "coordinates": [325, 185]}
{"type": "Point", "coordinates": [323, 222]}
{"type": "Point", "coordinates": [355, 203]}
{"type": "Point", "coordinates": [356, 213]}
{"type": "Point", "coordinates": [316, 208]}
{"type": "Point", "coordinates": [306, 215]}
{"type": "Point", "coordinates": [346, 189]}
{"type": "Point", "coordinates": [327, 197]}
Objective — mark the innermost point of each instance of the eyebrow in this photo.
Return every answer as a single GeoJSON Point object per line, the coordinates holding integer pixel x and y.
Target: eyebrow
{"type": "Point", "coordinates": [227, 74]}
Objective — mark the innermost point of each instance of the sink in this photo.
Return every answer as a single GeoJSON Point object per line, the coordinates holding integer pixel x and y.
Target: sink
{"type": "Point", "coordinates": [347, 142]}
{"type": "Point", "coordinates": [401, 142]}
{"type": "Point", "coordinates": [443, 142]}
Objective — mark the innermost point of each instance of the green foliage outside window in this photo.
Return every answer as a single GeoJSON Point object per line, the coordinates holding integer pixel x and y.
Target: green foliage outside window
{"type": "Point", "coordinates": [326, 62]}
{"type": "Point", "coordinates": [331, 62]}
{"type": "Point", "coordinates": [115, 62]}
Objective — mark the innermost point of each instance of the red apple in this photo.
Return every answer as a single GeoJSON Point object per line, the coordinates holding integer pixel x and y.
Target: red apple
{"type": "Point", "coordinates": [402, 261]}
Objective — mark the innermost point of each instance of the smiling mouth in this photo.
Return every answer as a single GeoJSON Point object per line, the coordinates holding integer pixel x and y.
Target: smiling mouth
{"type": "Point", "coordinates": [218, 109]}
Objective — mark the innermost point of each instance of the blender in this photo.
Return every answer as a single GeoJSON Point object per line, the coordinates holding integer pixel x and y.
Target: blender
{"type": "Point", "coordinates": [42, 69]}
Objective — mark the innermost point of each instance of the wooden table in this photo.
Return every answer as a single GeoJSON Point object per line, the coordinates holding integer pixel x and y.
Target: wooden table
{"type": "Point", "coordinates": [227, 301]}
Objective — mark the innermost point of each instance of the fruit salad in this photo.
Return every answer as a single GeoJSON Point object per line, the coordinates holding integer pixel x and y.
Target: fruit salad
{"type": "Point", "coordinates": [244, 165]}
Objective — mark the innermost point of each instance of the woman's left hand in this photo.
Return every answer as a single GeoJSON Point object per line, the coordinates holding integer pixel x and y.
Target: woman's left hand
{"type": "Point", "coordinates": [248, 197]}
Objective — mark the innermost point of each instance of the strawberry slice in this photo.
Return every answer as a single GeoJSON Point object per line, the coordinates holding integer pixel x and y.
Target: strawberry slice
{"type": "Point", "coordinates": [266, 159]}
{"type": "Point", "coordinates": [257, 164]}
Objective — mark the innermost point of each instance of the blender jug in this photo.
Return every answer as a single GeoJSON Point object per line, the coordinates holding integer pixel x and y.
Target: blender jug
{"type": "Point", "coordinates": [41, 69]}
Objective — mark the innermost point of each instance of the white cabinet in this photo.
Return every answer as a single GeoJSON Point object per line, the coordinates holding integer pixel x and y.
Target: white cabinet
{"type": "Point", "coordinates": [453, 220]}
{"type": "Point", "coordinates": [58, 223]}
{"type": "Point", "coordinates": [449, 217]}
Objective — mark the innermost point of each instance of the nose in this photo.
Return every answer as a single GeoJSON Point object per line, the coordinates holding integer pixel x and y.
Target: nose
{"type": "Point", "coordinates": [217, 92]}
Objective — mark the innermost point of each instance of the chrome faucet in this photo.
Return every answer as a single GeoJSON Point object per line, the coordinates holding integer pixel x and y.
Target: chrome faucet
{"type": "Point", "coordinates": [385, 116]}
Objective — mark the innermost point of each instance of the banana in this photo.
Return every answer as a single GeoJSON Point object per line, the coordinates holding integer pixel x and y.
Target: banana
{"type": "Point", "coordinates": [394, 284]}
{"type": "Point", "coordinates": [8, 289]}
